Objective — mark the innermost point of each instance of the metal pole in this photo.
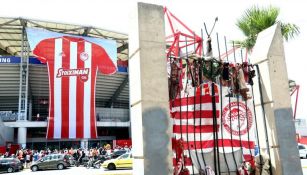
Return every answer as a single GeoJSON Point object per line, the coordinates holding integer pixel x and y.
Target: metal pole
{"type": "Point", "coordinates": [296, 100]}
{"type": "Point", "coordinates": [20, 76]}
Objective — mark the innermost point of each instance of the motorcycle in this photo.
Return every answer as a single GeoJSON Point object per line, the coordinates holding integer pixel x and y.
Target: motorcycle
{"type": "Point", "coordinates": [95, 163]}
{"type": "Point", "coordinates": [83, 162]}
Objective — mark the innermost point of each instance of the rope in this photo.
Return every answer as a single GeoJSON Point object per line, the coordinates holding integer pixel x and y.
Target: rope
{"type": "Point", "coordinates": [201, 94]}
{"type": "Point", "coordinates": [216, 124]}
{"type": "Point", "coordinates": [221, 112]}
{"type": "Point", "coordinates": [195, 123]}
{"type": "Point", "coordinates": [246, 116]}
{"type": "Point", "coordinates": [239, 125]}
{"type": "Point", "coordinates": [264, 119]}
{"type": "Point", "coordinates": [187, 98]}
{"type": "Point", "coordinates": [257, 132]}
{"type": "Point", "coordinates": [230, 91]}
{"type": "Point", "coordinates": [171, 97]}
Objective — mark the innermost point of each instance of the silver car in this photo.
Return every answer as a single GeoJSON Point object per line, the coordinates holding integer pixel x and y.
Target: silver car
{"type": "Point", "coordinates": [53, 161]}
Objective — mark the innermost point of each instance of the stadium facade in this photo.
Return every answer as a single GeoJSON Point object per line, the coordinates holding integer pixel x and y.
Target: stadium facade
{"type": "Point", "coordinates": [24, 89]}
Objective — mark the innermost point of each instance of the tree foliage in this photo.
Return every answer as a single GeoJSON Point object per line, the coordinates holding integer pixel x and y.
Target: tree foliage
{"type": "Point", "coordinates": [255, 19]}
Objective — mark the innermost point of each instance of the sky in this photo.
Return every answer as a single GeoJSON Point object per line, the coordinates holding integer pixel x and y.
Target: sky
{"type": "Point", "coordinates": [114, 15]}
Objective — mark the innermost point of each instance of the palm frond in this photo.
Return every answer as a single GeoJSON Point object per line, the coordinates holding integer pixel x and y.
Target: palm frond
{"type": "Point", "coordinates": [289, 31]}
{"type": "Point", "coordinates": [256, 19]}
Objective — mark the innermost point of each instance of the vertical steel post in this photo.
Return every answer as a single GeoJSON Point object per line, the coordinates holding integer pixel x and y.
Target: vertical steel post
{"type": "Point", "coordinates": [23, 84]}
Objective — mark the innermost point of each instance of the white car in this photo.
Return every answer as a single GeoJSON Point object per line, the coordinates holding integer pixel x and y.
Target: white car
{"type": "Point", "coordinates": [302, 150]}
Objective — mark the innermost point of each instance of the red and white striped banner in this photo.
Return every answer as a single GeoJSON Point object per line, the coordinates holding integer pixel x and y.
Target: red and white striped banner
{"type": "Point", "coordinates": [192, 115]}
{"type": "Point", "coordinates": [72, 63]}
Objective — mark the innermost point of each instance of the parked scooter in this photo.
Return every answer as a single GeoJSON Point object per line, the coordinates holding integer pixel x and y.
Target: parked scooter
{"type": "Point", "coordinates": [81, 162]}
{"type": "Point", "coordinates": [95, 163]}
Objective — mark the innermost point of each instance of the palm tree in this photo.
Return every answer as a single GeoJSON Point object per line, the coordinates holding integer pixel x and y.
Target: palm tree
{"type": "Point", "coordinates": [255, 20]}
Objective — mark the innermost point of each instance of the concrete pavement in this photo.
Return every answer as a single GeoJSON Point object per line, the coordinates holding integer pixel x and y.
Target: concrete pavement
{"type": "Point", "coordinates": [76, 171]}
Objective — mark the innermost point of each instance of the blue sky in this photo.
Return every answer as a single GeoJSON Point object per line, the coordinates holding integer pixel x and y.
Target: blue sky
{"type": "Point", "coordinates": [114, 15]}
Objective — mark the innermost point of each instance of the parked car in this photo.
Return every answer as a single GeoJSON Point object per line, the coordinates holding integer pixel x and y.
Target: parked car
{"type": "Point", "coordinates": [123, 161]}
{"type": "Point", "coordinates": [53, 161]}
{"type": "Point", "coordinates": [10, 165]}
{"type": "Point", "coordinates": [302, 150]}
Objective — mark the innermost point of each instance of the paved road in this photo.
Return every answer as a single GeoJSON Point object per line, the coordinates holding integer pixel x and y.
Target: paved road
{"type": "Point", "coordinates": [76, 171]}
{"type": "Point", "coordinates": [304, 166]}
{"type": "Point", "coordinates": [84, 171]}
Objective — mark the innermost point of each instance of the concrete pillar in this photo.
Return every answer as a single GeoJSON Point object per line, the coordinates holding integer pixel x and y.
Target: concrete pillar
{"type": "Point", "coordinates": [22, 136]}
{"type": "Point", "coordinates": [149, 107]}
{"type": "Point", "coordinates": [30, 110]}
{"type": "Point", "coordinates": [268, 53]}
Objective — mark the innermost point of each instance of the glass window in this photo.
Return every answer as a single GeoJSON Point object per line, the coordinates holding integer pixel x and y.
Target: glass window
{"type": "Point", "coordinates": [45, 158]}
{"type": "Point", "coordinates": [125, 156]}
{"type": "Point", "coordinates": [301, 147]}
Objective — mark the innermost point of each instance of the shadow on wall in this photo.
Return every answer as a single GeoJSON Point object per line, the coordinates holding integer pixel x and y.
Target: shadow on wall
{"type": "Point", "coordinates": [269, 116]}
{"type": "Point", "coordinates": [157, 139]}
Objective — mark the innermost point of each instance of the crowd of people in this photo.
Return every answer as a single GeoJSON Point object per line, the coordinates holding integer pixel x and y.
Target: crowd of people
{"type": "Point", "coordinates": [27, 156]}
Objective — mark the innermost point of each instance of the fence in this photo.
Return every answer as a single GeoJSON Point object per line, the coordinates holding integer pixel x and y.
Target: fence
{"type": "Point", "coordinates": [215, 125]}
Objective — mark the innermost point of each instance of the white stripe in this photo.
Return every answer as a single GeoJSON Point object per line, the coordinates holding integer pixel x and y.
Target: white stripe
{"type": "Point", "coordinates": [207, 150]}
{"type": "Point", "coordinates": [205, 136]}
{"type": "Point", "coordinates": [87, 92]}
{"type": "Point", "coordinates": [57, 89]}
{"type": "Point", "coordinates": [221, 150]}
{"type": "Point", "coordinates": [247, 151]}
{"type": "Point", "coordinates": [72, 91]}
{"type": "Point", "coordinates": [196, 107]}
{"type": "Point", "coordinates": [190, 137]}
{"type": "Point", "coordinates": [50, 98]}
{"type": "Point", "coordinates": [194, 122]}
{"type": "Point", "coordinates": [94, 95]}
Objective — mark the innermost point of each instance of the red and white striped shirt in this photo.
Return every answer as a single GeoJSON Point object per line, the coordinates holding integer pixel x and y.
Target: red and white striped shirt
{"type": "Point", "coordinates": [72, 67]}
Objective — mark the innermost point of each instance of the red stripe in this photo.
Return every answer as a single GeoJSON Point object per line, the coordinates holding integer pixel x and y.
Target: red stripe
{"type": "Point", "coordinates": [210, 144]}
{"type": "Point", "coordinates": [122, 63]}
{"type": "Point", "coordinates": [65, 89]}
{"type": "Point", "coordinates": [248, 157]}
{"type": "Point", "coordinates": [93, 84]}
{"type": "Point", "coordinates": [194, 114]}
{"type": "Point", "coordinates": [193, 129]}
{"type": "Point", "coordinates": [184, 101]}
{"type": "Point", "coordinates": [187, 161]}
{"type": "Point", "coordinates": [80, 96]}
{"type": "Point", "coordinates": [50, 64]}
{"type": "Point", "coordinates": [50, 129]}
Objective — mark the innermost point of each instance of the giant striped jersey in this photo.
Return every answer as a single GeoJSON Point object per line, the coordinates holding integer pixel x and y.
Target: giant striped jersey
{"type": "Point", "coordinates": [72, 68]}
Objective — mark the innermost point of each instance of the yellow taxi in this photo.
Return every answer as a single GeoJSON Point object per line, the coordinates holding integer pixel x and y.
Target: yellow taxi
{"type": "Point", "coordinates": [124, 161]}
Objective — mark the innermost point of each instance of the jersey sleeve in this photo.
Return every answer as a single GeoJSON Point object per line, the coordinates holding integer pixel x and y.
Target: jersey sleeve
{"type": "Point", "coordinates": [44, 50]}
{"type": "Point", "coordinates": [104, 62]}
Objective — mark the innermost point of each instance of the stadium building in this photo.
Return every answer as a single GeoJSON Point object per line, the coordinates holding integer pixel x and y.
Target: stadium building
{"type": "Point", "coordinates": [24, 89]}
